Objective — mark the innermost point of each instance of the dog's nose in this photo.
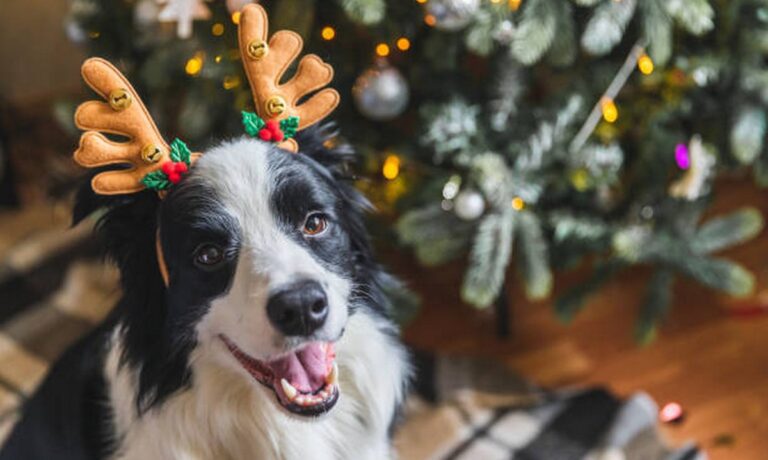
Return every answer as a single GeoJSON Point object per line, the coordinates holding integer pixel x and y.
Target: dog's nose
{"type": "Point", "coordinates": [299, 309]}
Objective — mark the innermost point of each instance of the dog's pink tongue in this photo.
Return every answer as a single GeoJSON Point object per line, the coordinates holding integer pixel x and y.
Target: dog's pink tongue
{"type": "Point", "coordinates": [305, 370]}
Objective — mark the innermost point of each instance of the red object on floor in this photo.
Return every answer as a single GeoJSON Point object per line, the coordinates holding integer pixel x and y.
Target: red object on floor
{"type": "Point", "coordinates": [671, 413]}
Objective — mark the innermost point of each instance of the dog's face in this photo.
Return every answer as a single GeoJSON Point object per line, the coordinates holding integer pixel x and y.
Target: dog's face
{"type": "Point", "coordinates": [262, 267]}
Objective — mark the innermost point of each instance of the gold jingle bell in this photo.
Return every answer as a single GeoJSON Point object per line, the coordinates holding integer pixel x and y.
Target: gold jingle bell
{"type": "Point", "coordinates": [275, 106]}
{"type": "Point", "coordinates": [120, 99]}
{"type": "Point", "coordinates": [151, 153]}
{"type": "Point", "coordinates": [257, 49]}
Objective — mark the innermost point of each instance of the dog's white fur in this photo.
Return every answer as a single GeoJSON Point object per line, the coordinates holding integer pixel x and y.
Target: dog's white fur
{"type": "Point", "coordinates": [225, 413]}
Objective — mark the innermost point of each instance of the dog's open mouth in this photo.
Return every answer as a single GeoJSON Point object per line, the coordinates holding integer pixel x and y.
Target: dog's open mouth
{"type": "Point", "coordinates": [305, 381]}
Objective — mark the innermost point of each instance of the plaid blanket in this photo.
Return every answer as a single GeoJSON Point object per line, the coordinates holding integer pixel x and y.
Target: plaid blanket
{"type": "Point", "coordinates": [54, 288]}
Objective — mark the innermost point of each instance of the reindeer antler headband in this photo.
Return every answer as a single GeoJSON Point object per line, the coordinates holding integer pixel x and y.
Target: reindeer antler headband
{"type": "Point", "coordinates": [154, 164]}
{"type": "Point", "coordinates": [151, 162]}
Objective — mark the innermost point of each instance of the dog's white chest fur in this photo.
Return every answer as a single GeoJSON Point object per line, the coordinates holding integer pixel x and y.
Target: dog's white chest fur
{"type": "Point", "coordinates": [226, 416]}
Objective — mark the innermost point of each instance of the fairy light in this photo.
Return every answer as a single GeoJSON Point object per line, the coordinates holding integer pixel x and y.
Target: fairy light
{"type": "Point", "coordinates": [94, 34]}
{"type": "Point", "coordinates": [231, 82]}
{"type": "Point", "coordinates": [328, 33]}
{"type": "Point", "coordinates": [217, 29]}
{"type": "Point", "coordinates": [645, 64]}
{"type": "Point", "coordinates": [421, 1]}
{"type": "Point", "coordinates": [236, 17]}
{"type": "Point", "coordinates": [382, 49]}
{"type": "Point", "coordinates": [430, 20]}
{"type": "Point", "coordinates": [514, 5]}
{"type": "Point", "coordinates": [518, 204]}
{"type": "Point", "coordinates": [217, 59]}
{"type": "Point", "coordinates": [194, 64]}
{"type": "Point", "coordinates": [496, 1]}
{"type": "Point", "coordinates": [610, 111]}
{"type": "Point", "coordinates": [403, 44]}
{"type": "Point", "coordinates": [391, 168]}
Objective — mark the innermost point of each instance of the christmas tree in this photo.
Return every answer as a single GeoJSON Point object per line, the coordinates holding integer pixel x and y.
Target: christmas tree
{"type": "Point", "coordinates": [539, 134]}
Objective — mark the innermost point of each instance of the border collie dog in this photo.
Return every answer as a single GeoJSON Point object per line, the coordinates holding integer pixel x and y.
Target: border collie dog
{"type": "Point", "coordinates": [270, 341]}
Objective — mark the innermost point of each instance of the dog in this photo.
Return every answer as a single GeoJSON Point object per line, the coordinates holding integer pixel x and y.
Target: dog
{"type": "Point", "coordinates": [271, 340]}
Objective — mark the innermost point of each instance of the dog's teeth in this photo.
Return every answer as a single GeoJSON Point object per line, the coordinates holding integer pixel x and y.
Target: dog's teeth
{"type": "Point", "coordinates": [323, 395]}
{"type": "Point", "coordinates": [333, 376]}
{"type": "Point", "coordinates": [288, 389]}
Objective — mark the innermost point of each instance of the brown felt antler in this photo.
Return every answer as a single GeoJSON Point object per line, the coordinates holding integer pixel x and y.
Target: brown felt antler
{"type": "Point", "coordinates": [266, 62]}
{"type": "Point", "coordinates": [123, 114]}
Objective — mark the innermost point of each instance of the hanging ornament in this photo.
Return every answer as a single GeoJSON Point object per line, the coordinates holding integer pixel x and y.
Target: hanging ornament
{"type": "Point", "coordinates": [682, 156]}
{"type": "Point", "coordinates": [451, 15]}
{"type": "Point", "coordinates": [469, 205]}
{"type": "Point", "coordinates": [380, 92]}
{"type": "Point", "coordinates": [671, 412]}
{"type": "Point", "coordinates": [504, 32]}
{"type": "Point", "coordinates": [233, 6]}
{"type": "Point", "coordinates": [183, 12]}
{"type": "Point", "coordinates": [693, 184]}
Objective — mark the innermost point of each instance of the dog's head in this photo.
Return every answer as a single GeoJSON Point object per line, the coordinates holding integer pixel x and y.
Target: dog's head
{"type": "Point", "coordinates": [266, 257]}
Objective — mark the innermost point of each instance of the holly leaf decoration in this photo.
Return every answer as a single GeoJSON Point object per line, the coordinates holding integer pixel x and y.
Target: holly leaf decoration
{"type": "Point", "coordinates": [289, 126]}
{"type": "Point", "coordinates": [252, 123]}
{"type": "Point", "coordinates": [179, 152]}
{"type": "Point", "coordinates": [157, 180]}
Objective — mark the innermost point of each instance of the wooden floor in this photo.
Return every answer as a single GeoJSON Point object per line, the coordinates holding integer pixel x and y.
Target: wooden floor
{"type": "Point", "coordinates": [707, 357]}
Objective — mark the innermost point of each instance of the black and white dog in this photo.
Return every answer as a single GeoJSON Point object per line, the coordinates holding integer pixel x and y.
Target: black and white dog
{"type": "Point", "coordinates": [271, 340]}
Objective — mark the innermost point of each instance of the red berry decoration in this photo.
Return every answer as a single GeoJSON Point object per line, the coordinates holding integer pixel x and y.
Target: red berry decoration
{"type": "Point", "coordinates": [265, 135]}
{"type": "Point", "coordinates": [272, 125]}
{"type": "Point", "coordinates": [278, 136]}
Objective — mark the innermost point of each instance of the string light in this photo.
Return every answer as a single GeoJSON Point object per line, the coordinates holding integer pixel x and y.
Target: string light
{"type": "Point", "coordinates": [421, 1]}
{"type": "Point", "coordinates": [430, 20]}
{"type": "Point", "coordinates": [231, 82]}
{"type": "Point", "coordinates": [217, 59]}
{"type": "Point", "coordinates": [610, 111]}
{"type": "Point", "coordinates": [645, 64]}
{"type": "Point", "coordinates": [382, 49]}
{"type": "Point", "coordinates": [514, 5]}
{"type": "Point", "coordinates": [495, 1]}
{"type": "Point", "coordinates": [94, 34]}
{"type": "Point", "coordinates": [391, 168]}
{"type": "Point", "coordinates": [518, 204]}
{"type": "Point", "coordinates": [403, 44]}
{"type": "Point", "coordinates": [217, 29]}
{"type": "Point", "coordinates": [328, 33]}
{"type": "Point", "coordinates": [236, 17]}
{"type": "Point", "coordinates": [194, 64]}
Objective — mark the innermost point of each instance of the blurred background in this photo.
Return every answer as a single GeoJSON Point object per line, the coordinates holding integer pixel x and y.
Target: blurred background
{"type": "Point", "coordinates": [571, 189]}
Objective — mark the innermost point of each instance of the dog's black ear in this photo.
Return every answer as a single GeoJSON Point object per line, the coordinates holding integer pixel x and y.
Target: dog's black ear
{"type": "Point", "coordinates": [321, 143]}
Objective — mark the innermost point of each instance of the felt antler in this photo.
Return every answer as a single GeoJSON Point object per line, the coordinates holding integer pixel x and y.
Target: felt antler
{"type": "Point", "coordinates": [265, 63]}
{"type": "Point", "coordinates": [146, 152]}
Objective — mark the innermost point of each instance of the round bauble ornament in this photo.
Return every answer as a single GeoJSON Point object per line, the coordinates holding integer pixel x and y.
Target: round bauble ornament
{"type": "Point", "coordinates": [236, 5]}
{"type": "Point", "coordinates": [381, 93]}
{"type": "Point", "coordinates": [469, 205]}
{"type": "Point", "coordinates": [452, 15]}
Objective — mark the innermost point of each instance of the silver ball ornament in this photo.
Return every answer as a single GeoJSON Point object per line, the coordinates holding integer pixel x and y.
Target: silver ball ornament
{"type": "Point", "coordinates": [469, 205]}
{"type": "Point", "coordinates": [452, 15]}
{"type": "Point", "coordinates": [381, 93]}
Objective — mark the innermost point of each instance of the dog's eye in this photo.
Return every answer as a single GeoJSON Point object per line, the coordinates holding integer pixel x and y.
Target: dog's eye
{"type": "Point", "coordinates": [209, 255]}
{"type": "Point", "coordinates": [315, 224]}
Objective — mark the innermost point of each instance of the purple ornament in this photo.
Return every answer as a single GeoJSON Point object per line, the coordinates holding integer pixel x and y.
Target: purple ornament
{"type": "Point", "coordinates": [682, 156]}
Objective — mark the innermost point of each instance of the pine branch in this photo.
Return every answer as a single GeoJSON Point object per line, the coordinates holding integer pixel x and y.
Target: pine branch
{"type": "Point", "coordinates": [533, 260]}
{"type": "Point", "coordinates": [719, 274]}
{"type": "Point", "coordinates": [606, 26]}
{"type": "Point", "coordinates": [436, 235]}
{"type": "Point", "coordinates": [488, 260]}
{"type": "Point", "coordinates": [696, 16]}
{"type": "Point", "coordinates": [563, 51]}
{"type": "Point", "coordinates": [747, 134]}
{"type": "Point", "coordinates": [366, 12]}
{"type": "Point", "coordinates": [655, 306]}
{"type": "Point", "coordinates": [535, 32]}
{"type": "Point", "coordinates": [657, 30]}
{"type": "Point", "coordinates": [726, 231]}
{"type": "Point", "coordinates": [573, 300]}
